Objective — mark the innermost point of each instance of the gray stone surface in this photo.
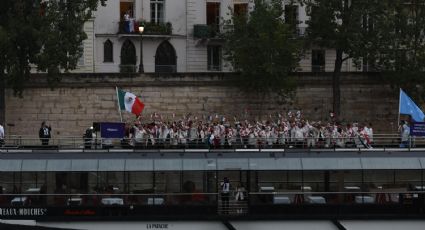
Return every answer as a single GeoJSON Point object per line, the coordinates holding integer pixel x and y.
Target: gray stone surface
{"type": "Point", "coordinates": [82, 99]}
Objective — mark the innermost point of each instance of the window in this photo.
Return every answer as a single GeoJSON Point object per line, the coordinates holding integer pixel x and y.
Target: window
{"type": "Point", "coordinates": [168, 182]}
{"type": "Point", "coordinates": [81, 59]}
{"type": "Point", "coordinates": [128, 53]}
{"type": "Point", "coordinates": [317, 60]}
{"type": "Point", "coordinates": [368, 22]}
{"type": "Point", "coordinates": [43, 7]}
{"type": "Point", "coordinates": [368, 64]}
{"type": "Point", "coordinates": [126, 6]}
{"type": "Point", "coordinates": [291, 16]}
{"type": "Point", "coordinates": [108, 51]}
{"type": "Point", "coordinates": [214, 58]}
{"type": "Point", "coordinates": [157, 11]}
{"type": "Point", "coordinates": [213, 15]}
{"type": "Point", "coordinates": [241, 9]}
{"type": "Point", "coordinates": [165, 58]}
{"type": "Point", "coordinates": [128, 57]}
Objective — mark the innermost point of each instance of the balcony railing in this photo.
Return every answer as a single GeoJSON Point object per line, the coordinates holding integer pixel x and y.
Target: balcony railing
{"type": "Point", "coordinates": [128, 27]}
{"type": "Point", "coordinates": [203, 31]}
{"type": "Point", "coordinates": [150, 28]}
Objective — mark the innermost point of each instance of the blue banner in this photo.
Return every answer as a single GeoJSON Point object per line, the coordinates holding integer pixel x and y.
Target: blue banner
{"type": "Point", "coordinates": [417, 129]}
{"type": "Point", "coordinates": [112, 130]}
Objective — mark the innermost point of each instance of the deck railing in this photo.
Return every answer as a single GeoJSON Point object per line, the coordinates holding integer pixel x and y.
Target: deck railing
{"type": "Point", "coordinates": [255, 198]}
{"type": "Point", "coordinates": [380, 142]}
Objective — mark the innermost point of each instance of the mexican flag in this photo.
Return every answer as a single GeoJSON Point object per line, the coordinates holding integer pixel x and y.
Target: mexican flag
{"type": "Point", "coordinates": [129, 102]}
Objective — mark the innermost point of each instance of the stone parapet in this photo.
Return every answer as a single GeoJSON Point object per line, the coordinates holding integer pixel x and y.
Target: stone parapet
{"type": "Point", "coordinates": [81, 99]}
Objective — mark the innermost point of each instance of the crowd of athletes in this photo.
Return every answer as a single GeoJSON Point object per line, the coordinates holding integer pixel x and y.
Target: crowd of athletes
{"type": "Point", "coordinates": [281, 131]}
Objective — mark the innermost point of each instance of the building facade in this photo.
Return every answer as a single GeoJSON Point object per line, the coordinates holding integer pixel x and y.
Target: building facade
{"type": "Point", "coordinates": [178, 36]}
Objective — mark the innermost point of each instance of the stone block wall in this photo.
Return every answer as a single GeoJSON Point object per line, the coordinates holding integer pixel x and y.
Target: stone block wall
{"type": "Point", "coordinates": [81, 100]}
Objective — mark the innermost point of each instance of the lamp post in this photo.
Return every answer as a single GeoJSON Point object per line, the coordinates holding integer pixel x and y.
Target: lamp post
{"type": "Point", "coordinates": [141, 69]}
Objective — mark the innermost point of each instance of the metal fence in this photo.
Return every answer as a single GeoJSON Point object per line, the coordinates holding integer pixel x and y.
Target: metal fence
{"type": "Point", "coordinates": [382, 141]}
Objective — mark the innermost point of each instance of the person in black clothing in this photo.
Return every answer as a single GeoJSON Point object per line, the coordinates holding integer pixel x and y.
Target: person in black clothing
{"type": "Point", "coordinates": [88, 136]}
{"type": "Point", "coordinates": [45, 133]}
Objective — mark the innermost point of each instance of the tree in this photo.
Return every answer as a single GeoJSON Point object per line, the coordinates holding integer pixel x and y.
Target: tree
{"type": "Point", "coordinates": [41, 34]}
{"type": "Point", "coordinates": [403, 59]}
{"type": "Point", "coordinates": [262, 47]}
{"type": "Point", "coordinates": [353, 28]}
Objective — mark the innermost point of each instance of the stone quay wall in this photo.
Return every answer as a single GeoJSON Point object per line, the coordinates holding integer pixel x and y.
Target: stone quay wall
{"type": "Point", "coordinates": [81, 99]}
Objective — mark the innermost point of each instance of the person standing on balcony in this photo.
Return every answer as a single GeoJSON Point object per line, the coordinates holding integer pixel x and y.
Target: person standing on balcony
{"type": "Point", "coordinates": [127, 21]}
{"type": "Point", "coordinates": [45, 133]}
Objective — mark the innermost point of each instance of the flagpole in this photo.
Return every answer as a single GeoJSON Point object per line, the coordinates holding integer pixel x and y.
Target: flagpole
{"type": "Point", "coordinates": [118, 102]}
{"type": "Point", "coordinates": [399, 107]}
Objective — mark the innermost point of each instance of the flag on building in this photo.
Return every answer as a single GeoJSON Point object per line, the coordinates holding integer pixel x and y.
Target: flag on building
{"type": "Point", "coordinates": [407, 106]}
{"type": "Point", "coordinates": [129, 102]}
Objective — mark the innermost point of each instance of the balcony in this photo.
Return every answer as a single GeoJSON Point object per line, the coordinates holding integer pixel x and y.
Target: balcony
{"type": "Point", "coordinates": [150, 28]}
{"type": "Point", "coordinates": [128, 27]}
{"type": "Point", "coordinates": [202, 31]}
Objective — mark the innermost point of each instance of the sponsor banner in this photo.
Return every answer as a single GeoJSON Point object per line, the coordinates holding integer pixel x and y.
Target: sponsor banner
{"type": "Point", "coordinates": [417, 129]}
{"type": "Point", "coordinates": [112, 130]}
{"type": "Point", "coordinates": [79, 212]}
{"type": "Point", "coordinates": [44, 212]}
{"type": "Point", "coordinates": [17, 212]}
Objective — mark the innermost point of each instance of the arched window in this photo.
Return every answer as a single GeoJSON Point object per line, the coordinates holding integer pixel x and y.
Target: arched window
{"type": "Point", "coordinates": [128, 57]}
{"type": "Point", "coordinates": [165, 58]}
{"type": "Point", "coordinates": [108, 51]}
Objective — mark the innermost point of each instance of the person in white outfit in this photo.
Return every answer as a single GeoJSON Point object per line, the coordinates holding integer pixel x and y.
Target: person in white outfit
{"type": "Point", "coordinates": [225, 194]}
{"type": "Point", "coordinates": [239, 195]}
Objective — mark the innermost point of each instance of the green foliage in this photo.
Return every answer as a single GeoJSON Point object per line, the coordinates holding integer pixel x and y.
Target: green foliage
{"type": "Point", "coordinates": [388, 34]}
{"type": "Point", "coordinates": [201, 31]}
{"type": "Point", "coordinates": [205, 31]}
{"type": "Point", "coordinates": [46, 35]}
{"type": "Point", "coordinates": [355, 29]}
{"type": "Point", "coordinates": [262, 48]}
{"type": "Point", "coordinates": [156, 28]}
{"type": "Point", "coordinates": [403, 59]}
{"type": "Point", "coordinates": [343, 24]}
